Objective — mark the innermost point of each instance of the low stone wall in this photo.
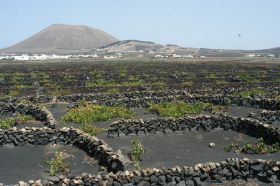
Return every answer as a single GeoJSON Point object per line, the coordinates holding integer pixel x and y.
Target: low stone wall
{"type": "Point", "coordinates": [269, 104]}
{"type": "Point", "coordinates": [200, 123]}
{"type": "Point", "coordinates": [266, 172]}
{"type": "Point", "coordinates": [68, 136]}
{"type": "Point", "coordinates": [40, 114]}
{"type": "Point", "coordinates": [269, 117]}
{"type": "Point", "coordinates": [143, 98]}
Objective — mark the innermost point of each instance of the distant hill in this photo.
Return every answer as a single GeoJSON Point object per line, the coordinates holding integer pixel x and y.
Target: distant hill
{"type": "Point", "coordinates": [145, 46]}
{"type": "Point", "coordinates": [69, 39]}
{"type": "Point", "coordinates": [60, 38]}
{"type": "Point", "coordinates": [126, 46]}
{"type": "Point", "coordinates": [131, 45]}
{"type": "Point", "coordinates": [275, 51]}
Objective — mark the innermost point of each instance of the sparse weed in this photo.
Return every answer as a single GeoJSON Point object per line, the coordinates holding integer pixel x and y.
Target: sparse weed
{"type": "Point", "coordinates": [136, 152]}
{"type": "Point", "coordinates": [12, 121]}
{"type": "Point", "coordinates": [178, 108]}
{"type": "Point", "coordinates": [58, 165]}
{"type": "Point", "coordinates": [258, 148]}
{"type": "Point", "coordinates": [91, 129]}
{"type": "Point", "coordinates": [250, 93]}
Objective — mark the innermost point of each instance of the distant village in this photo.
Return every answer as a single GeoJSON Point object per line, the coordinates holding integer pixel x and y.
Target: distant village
{"type": "Point", "coordinates": [40, 57]}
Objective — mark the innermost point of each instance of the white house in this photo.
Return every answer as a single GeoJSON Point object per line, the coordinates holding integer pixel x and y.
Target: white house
{"type": "Point", "coordinates": [188, 56]}
{"type": "Point", "coordinates": [270, 55]}
{"type": "Point", "coordinates": [23, 57]}
{"type": "Point", "coordinates": [95, 56]}
{"type": "Point", "coordinates": [110, 57]}
{"type": "Point", "coordinates": [159, 56]}
{"type": "Point", "coordinates": [176, 56]}
{"type": "Point", "coordinates": [251, 55]}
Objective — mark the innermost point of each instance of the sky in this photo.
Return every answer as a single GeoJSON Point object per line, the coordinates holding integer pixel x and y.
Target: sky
{"type": "Point", "coordinates": [227, 24]}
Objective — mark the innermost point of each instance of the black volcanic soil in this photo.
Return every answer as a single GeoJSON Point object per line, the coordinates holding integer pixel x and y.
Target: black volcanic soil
{"type": "Point", "coordinates": [26, 163]}
{"type": "Point", "coordinates": [58, 110]}
{"type": "Point", "coordinates": [185, 149]}
{"type": "Point", "coordinates": [241, 111]}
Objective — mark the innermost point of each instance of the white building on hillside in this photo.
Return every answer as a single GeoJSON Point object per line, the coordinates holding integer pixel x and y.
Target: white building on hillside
{"type": "Point", "coordinates": [159, 56]}
{"type": "Point", "coordinates": [176, 56]}
{"type": "Point", "coordinates": [188, 56]}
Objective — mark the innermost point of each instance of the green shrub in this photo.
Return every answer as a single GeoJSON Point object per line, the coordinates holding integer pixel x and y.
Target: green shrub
{"type": "Point", "coordinates": [250, 93]}
{"type": "Point", "coordinates": [12, 121]}
{"type": "Point", "coordinates": [113, 91]}
{"type": "Point", "coordinates": [176, 109]}
{"type": "Point", "coordinates": [92, 130]}
{"type": "Point", "coordinates": [59, 164]}
{"type": "Point", "coordinates": [248, 78]}
{"type": "Point", "coordinates": [179, 109]}
{"type": "Point", "coordinates": [215, 108]}
{"type": "Point", "coordinates": [136, 152]}
{"type": "Point", "coordinates": [277, 97]}
{"type": "Point", "coordinates": [258, 148]}
{"type": "Point", "coordinates": [89, 113]}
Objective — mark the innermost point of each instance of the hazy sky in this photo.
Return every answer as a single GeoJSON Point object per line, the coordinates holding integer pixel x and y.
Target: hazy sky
{"type": "Point", "coordinates": [243, 24]}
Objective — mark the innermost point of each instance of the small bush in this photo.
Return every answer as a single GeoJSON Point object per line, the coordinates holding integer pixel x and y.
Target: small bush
{"type": "Point", "coordinates": [258, 148]}
{"type": "Point", "coordinates": [215, 108]}
{"type": "Point", "coordinates": [136, 152]}
{"type": "Point", "coordinates": [250, 93]}
{"type": "Point", "coordinates": [277, 97]}
{"type": "Point", "coordinates": [58, 165]}
{"type": "Point", "coordinates": [92, 130]}
{"type": "Point", "coordinates": [12, 121]}
{"type": "Point", "coordinates": [175, 109]}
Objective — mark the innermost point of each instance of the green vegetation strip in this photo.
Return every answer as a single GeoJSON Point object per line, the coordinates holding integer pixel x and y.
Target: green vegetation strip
{"type": "Point", "coordinates": [178, 109]}
{"type": "Point", "coordinates": [86, 114]}
{"type": "Point", "coordinates": [89, 113]}
{"type": "Point", "coordinates": [91, 129]}
{"type": "Point", "coordinates": [258, 148]}
{"type": "Point", "coordinates": [12, 121]}
{"type": "Point", "coordinates": [250, 93]}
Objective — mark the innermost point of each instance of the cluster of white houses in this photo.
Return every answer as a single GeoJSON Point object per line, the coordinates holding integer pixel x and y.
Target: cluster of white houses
{"type": "Point", "coordinates": [260, 55]}
{"type": "Point", "coordinates": [36, 57]}
{"type": "Point", "coordinates": [39, 57]}
{"type": "Point", "coordinates": [25, 57]}
{"type": "Point", "coordinates": [177, 56]}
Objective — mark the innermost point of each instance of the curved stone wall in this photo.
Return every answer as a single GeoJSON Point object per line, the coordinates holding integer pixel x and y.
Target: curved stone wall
{"type": "Point", "coordinates": [201, 174]}
{"type": "Point", "coordinates": [266, 172]}
{"type": "Point", "coordinates": [40, 114]}
{"type": "Point", "coordinates": [142, 99]}
{"type": "Point", "coordinates": [68, 136]}
{"type": "Point", "coordinates": [200, 123]}
{"type": "Point", "coordinates": [269, 117]}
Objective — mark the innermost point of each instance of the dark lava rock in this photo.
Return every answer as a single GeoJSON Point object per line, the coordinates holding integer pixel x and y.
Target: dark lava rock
{"type": "Point", "coordinates": [189, 183]}
{"type": "Point", "coordinates": [144, 183]}
{"type": "Point", "coordinates": [198, 182]}
{"type": "Point", "coordinates": [257, 167]}
{"type": "Point", "coordinates": [53, 179]}
{"type": "Point", "coordinates": [116, 184]}
{"type": "Point", "coordinates": [162, 180]}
